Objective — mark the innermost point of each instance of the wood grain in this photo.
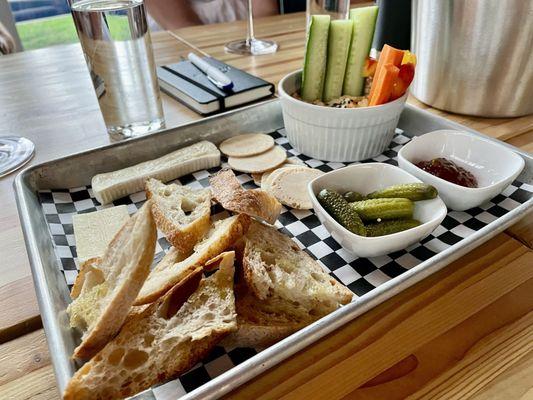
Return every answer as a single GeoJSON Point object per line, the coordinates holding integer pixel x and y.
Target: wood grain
{"type": "Point", "coordinates": [23, 355]}
{"type": "Point", "coordinates": [20, 313]}
{"type": "Point", "coordinates": [25, 369]}
{"type": "Point", "coordinates": [37, 385]}
{"type": "Point", "coordinates": [474, 339]}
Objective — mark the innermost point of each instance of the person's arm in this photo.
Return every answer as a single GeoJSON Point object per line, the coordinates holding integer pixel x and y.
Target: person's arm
{"type": "Point", "coordinates": [172, 14]}
{"type": "Point", "coordinates": [7, 43]}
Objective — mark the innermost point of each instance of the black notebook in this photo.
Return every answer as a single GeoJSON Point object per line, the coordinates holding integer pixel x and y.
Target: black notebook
{"type": "Point", "coordinates": [185, 82]}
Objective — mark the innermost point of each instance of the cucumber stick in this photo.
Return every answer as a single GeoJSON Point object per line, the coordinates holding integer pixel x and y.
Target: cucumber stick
{"type": "Point", "coordinates": [364, 19]}
{"type": "Point", "coordinates": [316, 51]}
{"type": "Point", "coordinates": [340, 36]}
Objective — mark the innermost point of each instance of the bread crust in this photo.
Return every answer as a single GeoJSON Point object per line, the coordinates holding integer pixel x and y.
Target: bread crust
{"type": "Point", "coordinates": [182, 236]}
{"type": "Point", "coordinates": [230, 194]}
{"type": "Point", "coordinates": [157, 344]}
{"type": "Point", "coordinates": [259, 328]}
{"type": "Point", "coordinates": [114, 313]}
{"type": "Point", "coordinates": [162, 279]}
{"type": "Point", "coordinates": [88, 265]}
{"type": "Point", "coordinates": [266, 241]}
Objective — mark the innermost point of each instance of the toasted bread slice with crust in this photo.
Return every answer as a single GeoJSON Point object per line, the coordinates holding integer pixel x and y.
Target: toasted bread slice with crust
{"type": "Point", "coordinates": [230, 194]}
{"type": "Point", "coordinates": [109, 289]}
{"type": "Point", "coordinates": [87, 266]}
{"type": "Point", "coordinates": [180, 212]}
{"type": "Point", "coordinates": [167, 274]}
{"type": "Point", "coordinates": [163, 341]}
{"type": "Point", "coordinates": [286, 278]}
{"type": "Point", "coordinates": [259, 326]}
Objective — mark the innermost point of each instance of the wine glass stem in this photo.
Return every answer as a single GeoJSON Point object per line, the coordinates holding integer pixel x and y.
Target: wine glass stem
{"type": "Point", "coordinates": [250, 33]}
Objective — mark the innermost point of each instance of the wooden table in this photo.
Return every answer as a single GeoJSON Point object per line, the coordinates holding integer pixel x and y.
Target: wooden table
{"type": "Point", "coordinates": [465, 332]}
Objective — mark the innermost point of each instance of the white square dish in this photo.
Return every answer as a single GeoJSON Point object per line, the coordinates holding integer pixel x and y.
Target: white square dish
{"type": "Point", "coordinates": [366, 178]}
{"type": "Point", "coordinates": [493, 165]}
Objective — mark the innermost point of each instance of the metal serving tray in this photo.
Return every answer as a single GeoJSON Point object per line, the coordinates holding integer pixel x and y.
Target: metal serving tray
{"type": "Point", "coordinates": [52, 292]}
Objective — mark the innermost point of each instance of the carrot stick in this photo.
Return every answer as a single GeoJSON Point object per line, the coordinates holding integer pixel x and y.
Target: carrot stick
{"type": "Point", "coordinates": [384, 85]}
{"type": "Point", "coordinates": [389, 55]}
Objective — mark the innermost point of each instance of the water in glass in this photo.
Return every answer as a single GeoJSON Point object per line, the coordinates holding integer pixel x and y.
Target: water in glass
{"type": "Point", "coordinates": [116, 43]}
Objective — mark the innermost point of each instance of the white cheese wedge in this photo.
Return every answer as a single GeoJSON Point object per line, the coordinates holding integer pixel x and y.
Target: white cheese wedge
{"type": "Point", "coordinates": [93, 231]}
{"type": "Point", "coordinates": [110, 186]}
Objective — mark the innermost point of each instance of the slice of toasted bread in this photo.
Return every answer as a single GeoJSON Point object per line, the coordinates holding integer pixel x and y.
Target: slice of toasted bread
{"type": "Point", "coordinates": [167, 274]}
{"type": "Point", "coordinates": [89, 265]}
{"type": "Point", "coordinates": [109, 289]}
{"type": "Point", "coordinates": [259, 325]}
{"type": "Point", "coordinates": [230, 194]}
{"type": "Point", "coordinates": [276, 270]}
{"type": "Point", "coordinates": [180, 212]}
{"type": "Point", "coordinates": [163, 341]}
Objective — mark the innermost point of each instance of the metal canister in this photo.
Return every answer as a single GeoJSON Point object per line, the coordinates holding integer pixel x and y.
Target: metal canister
{"type": "Point", "coordinates": [474, 56]}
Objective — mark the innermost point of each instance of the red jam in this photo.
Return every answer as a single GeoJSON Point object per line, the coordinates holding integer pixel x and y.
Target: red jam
{"type": "Point", "coordinates": [449, 171]}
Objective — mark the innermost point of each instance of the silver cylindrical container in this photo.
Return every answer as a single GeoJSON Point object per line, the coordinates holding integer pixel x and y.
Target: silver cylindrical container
{"type": "Point", "coordinates": [474, 56]}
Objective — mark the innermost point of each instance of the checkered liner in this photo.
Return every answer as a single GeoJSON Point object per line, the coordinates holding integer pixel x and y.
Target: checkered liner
{"type": "Point", "coordinates": [361, 275]}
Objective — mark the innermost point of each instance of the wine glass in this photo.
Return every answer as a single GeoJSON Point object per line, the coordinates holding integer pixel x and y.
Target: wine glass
{"type": "Point", "coordinates": [251, 45]}
{"type": "Point", "coordinates": [15, 151]}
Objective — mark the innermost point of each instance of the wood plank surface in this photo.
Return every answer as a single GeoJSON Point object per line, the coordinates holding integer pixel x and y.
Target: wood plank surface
{"type": "Point", "coordinates": [57, 109]}
{"type": "Point", "coordinates": [20, 312]}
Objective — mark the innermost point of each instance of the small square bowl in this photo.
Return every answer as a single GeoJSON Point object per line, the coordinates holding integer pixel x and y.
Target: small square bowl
{"type": "Point", "coordinates": [493, 165]}
{"type": "Point", "coordinates": [366, 178]}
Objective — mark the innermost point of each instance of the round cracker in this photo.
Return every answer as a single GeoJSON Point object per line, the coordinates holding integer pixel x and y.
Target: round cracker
{"type": "Point", "coordinates": [289, 186]}
{"type": "Point", "coordinates": [259, 163]}
{"type": "Point", "coordinates": [265, 179]}
{"type": "Point", "coordinates": [246, 145]}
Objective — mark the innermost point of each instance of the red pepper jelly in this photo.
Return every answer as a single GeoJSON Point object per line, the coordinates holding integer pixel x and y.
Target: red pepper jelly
{"type": "Point", "coordinates": [449, 171]}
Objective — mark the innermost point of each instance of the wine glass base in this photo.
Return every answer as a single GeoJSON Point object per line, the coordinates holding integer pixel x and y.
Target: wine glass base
{"type": "Point", "coordinates": [15, 151]}
{"type": "Point", "coordinates": [254, 47]}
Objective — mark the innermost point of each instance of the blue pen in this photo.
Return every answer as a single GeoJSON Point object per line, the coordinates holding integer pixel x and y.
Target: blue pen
{"type": "Point", "coordinates": [219, 79]}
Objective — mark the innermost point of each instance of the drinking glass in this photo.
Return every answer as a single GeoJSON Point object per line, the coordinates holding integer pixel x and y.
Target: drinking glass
{"type": "Point", "coordinates": [116, 44]}
{"type": "Point", "coordinates": [337, 9]}
{"type": "Point", "coordinates": [251, 45]}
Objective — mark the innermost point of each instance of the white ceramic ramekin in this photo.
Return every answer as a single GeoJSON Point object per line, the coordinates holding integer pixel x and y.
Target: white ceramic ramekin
{"type": "Point", "coordinates": [336, 134]}
{"type": "Point", "coordinates": [494, 165]}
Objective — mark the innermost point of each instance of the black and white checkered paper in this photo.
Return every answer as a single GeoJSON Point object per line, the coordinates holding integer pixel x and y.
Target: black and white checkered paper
{"type": "Point", "coordinates": [361, 275]}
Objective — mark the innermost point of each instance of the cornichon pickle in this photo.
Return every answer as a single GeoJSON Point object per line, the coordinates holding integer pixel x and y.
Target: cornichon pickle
{"type": "Point", "coordinates": [340, 209]}
{"type": "Point", "coordinates": [392, 226]}
{"type": "Point", "coordinates": [411, 191]}
{"type": "Point", "coordinates": [353, 196]}
{"type": "Point", "coordinates": [374, 209]}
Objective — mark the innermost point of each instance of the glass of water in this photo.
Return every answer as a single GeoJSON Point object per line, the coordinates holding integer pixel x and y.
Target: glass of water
{"type": "Point", "coordinates": [116, 44]}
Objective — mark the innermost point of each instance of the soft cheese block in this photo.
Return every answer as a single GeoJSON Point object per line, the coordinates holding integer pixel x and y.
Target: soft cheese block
{"type": "Point", "coordinates": [93, 231]}
{"type": "Point", "coordinates": [110, 186]}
